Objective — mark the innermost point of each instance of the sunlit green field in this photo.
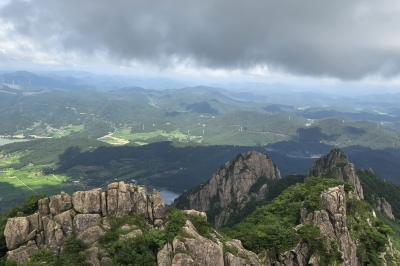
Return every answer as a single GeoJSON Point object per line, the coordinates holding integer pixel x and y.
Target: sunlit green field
{"type": "Point", "coordinates": [124, 135]}
{"type": "Point", "coordinates": [67, 130]}
{"type": "Point", "coordinates": [16, 185]}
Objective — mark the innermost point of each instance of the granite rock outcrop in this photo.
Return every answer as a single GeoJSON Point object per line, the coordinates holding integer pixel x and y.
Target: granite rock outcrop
{"type": "Point", "coordinates": [235, 182]}
{"type": "Point", "coordinates": [83, 214]}
{"type": "Point", "coordinates": [336, 165]}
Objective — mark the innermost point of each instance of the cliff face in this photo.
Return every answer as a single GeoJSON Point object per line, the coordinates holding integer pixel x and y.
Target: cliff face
{"type": "Point", "coordinates": [380, 204]}
{"type": "Point", "coordinates": [83, 214]}
{"type": "Point", "coordinates": [336, 165]}
{"type": "Point", "coordinates": [232, 184]}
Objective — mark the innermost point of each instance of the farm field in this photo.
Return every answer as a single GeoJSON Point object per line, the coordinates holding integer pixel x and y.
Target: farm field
{"type": "Point", "coordinates": [16, 185]}
{"type": "Point", "coordinates": [123, 136]}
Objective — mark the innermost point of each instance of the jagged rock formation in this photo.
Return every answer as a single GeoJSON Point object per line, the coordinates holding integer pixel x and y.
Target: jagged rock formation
{"type": "Point", "coordinates": [84, 213]}
{"type": "Point", "coordinates": [232, 184]}
{"type": "Point", "coordinates": [380, 204]}
{"type": "Point", "coordinates": [331, 219]}
{"type": "Point", "coordinates": [336, 165]}
{"type": "Point", "coordinates": [332, 222]}
{"type": "Point", "coordinates": [198, 250]}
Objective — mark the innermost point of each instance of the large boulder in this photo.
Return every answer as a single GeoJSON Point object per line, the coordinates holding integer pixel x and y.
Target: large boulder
{"type": "Point", "coordinates": [87, 201]}
{"type": "Point", "coordinates": [84, 221]}
{"type": "Point", "coordinates": [53, 236]}
{"type": "Point", "coordinates": [65, 220]}
{"type": "Point", "coordinates": [164, 256]}
{"type": "Point", "coordinates": [35, 222]}
{"type": "Point", "coordinates": [124, 201]}
{"type": "Point", "coordinates": [16, 232]}
{"type": "Point", "coordinates": [43, 205]}
{"type": "Point", "coordinates": [182, 259]}
{"type": "Point", "coordinates": [140, 200]}
{"type": "Point", "coordinates": [112, 199]}
{"type": "Point", "coordinates": [21, 254]}
{"type": "Point", "coordinates": [203, 250]}
{"type": "Point", "coordinates": [158, 205]}
{"type": "Point", "coordinates": [91, 235]}
{"type": "Point", "coordinates": [59, 203]}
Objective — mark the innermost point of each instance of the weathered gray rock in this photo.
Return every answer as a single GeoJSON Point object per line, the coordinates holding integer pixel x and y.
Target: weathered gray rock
{"type": "Point", "coordinates": [16, 232]}
{"type": "Point", "coordinates": [124, 203]}
{"type": "Point", "coordinates": [300, 255]}
{"type": "Point", "coordinates": [91, 256]}
{"type": "Point", "coordinates": [164, 256]}
{"type": "Point", "coordinates": [87, 201]}
{"type": "Point", "coordinates": [178, 246]}
{"type": "Point", "coordinates": [242, 256]}
{"type": "Point", "coordinates": [336, 165]}
{"type": "Point", "coordinates": [195, 213]}
{"type": "Point", "coordinates": [332, 222]}
{"type": "Point", "coordinates": [231, 260]}
{"type": "Point", "coordinates": [43, 205]}
{"type": "Point", "coordinates": [140, 200]}
{"type": "Point", "coordinates": [60, 203]}
{"type": "Point", "coordinates": [35, 222]}
{"type": "Point", "coordinates": [112, 200]}
{"type": "Point", "coordinates": [203, 250]}
{"type": "Point", "coordinates": [149, 211]}
{"type": "Point", "coordinates": [158, 205]}
{"type": "Point", "coordinates": [21, 254]}
{"type": "Point", "coordinates": [84, 221]}
{"type": "Point", "coordinates": [103, 204]}
{"type": "Point", "coordinates": [53, 235]}
{"type": "Point", "coordinates": [39, 240]}
{"type": "Point", "coordinates": [231, 183]}
{"type": "Point", "coordinates": [383, 206]}
{"type": "Point", "coordinates": [132, 234]}
{"type": "Point", "coordinates": [65, 220]}
{"type": "Point", "coordinates": [182, 259]}
{"type": "Point", "coordinates": [91, 234]}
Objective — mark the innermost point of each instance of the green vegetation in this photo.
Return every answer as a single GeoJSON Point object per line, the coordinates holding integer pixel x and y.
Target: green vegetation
{"type": "Point", "coordinates": [271, 227]}
{"type": "Point", "coordinates": [275, 188]}
{"type": "Point", "coordinates": [141, 249]}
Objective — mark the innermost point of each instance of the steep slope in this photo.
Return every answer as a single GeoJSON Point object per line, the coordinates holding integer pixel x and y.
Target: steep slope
{"type": "Point", "coordinates": [336, 165]}
{"type": "Point", "coordinates": [231, 187]}
{"type": "Point", "coordinates": [383, 195]}
{"type": "Point", "coordinates": [320, 222]}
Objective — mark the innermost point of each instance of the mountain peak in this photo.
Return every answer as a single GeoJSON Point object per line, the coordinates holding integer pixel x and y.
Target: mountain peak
{"type": "Point", "coordinates": [336, 165]}
{"type": "Point", "coordinates": [232, 185]}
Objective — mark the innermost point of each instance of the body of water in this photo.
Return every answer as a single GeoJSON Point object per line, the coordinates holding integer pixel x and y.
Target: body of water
{"type": "Point", "coordinates": [8, 141]}
{"type": "Point", "coordinates": [168, 196]}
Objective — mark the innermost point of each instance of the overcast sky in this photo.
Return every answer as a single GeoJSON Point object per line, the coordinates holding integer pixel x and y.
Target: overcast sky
{"type": "Point", "coordinates": [269, 40]}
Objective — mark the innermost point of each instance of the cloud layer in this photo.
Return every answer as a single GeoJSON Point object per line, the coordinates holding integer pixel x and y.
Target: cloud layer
{"type": "Point", "coordinates": [348, 40]}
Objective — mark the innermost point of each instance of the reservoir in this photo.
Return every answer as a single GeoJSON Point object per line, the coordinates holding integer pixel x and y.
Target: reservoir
{"type": "Point", "coordinates": [168, 196]}
{"type": "Point", "coordinates": [8, 141]}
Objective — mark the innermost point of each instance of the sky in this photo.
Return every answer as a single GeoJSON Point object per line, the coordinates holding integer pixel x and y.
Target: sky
{"type": "Point", "coordinates": [304, 42]}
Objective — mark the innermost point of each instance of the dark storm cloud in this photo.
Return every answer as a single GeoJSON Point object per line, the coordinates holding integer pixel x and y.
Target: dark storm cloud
{"type": "Point", "coordinates": [344, 39]}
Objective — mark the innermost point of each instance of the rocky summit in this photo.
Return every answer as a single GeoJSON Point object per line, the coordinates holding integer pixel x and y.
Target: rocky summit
{"type": "Point", "coordinates": [232, 185]}
{"type": "Point", "coordinates": [321, 221]}
{"type": "Point", "coordinates": [336, 165]}
{"type": "Point", "coordinates": [83, 214]}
